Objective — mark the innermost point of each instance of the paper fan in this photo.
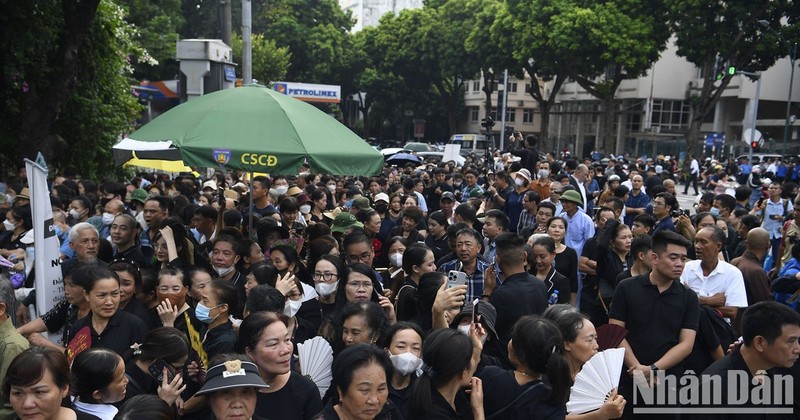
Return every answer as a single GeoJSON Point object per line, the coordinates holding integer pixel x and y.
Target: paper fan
{"type": "Point", "coordinates": [315, 357]}
{"type": "Point", "coordinates": [610, 335]}
{"type": "Point", "coordinates": [595, 381]}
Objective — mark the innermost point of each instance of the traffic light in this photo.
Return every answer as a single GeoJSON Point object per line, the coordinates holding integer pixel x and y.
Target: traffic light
{"type": "Point", "coordinates": [718, 66]}
{"type": "Point", "coordinates": [754, 145]}
{"type": "Point", "coordinates": [731, 70]}
{"type": "Point", "coordinates": [487, 123]}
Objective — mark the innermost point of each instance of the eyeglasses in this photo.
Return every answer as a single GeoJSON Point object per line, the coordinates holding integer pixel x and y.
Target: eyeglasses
{"type": "Point", "coordinates": [359, 285]}
{"type": "Point", "coordinates": [325, 276]}
{"type": "Point", "coordinates": [358, 258]}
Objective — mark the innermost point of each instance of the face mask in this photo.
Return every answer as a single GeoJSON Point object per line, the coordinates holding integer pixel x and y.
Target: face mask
{"type": "Point", "coordinates": [291, 307]}
{"type": "Point", "coordinates": [381, 208]}
{"type": "Point", "coordinates": [282, 189]}
{"type": "Point", "coordinates": [175, 299]}
{"type": "Point", "coordinates": [543, 173]}
{"type": "Point", "coordinates": [57, 230]}
{"type": "Point", "coordinates": [222, 272]}
{"type": "Point", "coordinates": [75, 214]}
{"type": "Point", "coordinates": [405, 363]}
{"type": "Point", "coordinates": [8, 225]}
{"type": "Point", "coordinates": [305, 209]}
{"type": "Point", "coordinates": [464, 329]}
{"type": "Point", "coordinates": [332, 187]}
{"type": "Point", "coordinates": [108, 218]}
{"type": "Point", "coordinates": [203, 313]}
{"type": "Point", "coordinates": [396, 259]}
{"type": "Point", "coordinates": [326, 289]}
{"type": "Point", "coordinates": [714, 211]}
{"type": "Point", "coordinates": [518, 182]}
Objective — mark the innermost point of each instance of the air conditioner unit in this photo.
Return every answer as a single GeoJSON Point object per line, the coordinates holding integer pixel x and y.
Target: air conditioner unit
{"type": "Point", "coordinates": [520, 103]}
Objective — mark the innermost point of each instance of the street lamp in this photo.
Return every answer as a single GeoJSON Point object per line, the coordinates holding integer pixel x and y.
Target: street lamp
{"type": "Point", "coordinates": [792, 55]}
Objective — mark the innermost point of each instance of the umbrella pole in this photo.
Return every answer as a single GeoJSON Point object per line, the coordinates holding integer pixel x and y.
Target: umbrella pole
{"type": "Point", "coordinates": [250, 213]}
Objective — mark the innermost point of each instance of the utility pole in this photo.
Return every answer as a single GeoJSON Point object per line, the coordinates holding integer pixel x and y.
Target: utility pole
{"type": "Point", "coordinates": [247, 44]}
{"type": "Point", "coordinates": [503, 119]}
{"type": "Point", "coordinates": [754, 113]}
{"type": "Point", "coordinates": [225, 21]}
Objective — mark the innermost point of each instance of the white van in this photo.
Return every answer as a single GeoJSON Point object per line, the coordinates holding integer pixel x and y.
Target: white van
{"type": "Point", "coordinates": [470, 143]}
{"type": "Point", "coordinates": [759, 158]}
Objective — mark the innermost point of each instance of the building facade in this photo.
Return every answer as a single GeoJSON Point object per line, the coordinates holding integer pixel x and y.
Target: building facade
{"type": "Point", "coordinates": [369, 12]}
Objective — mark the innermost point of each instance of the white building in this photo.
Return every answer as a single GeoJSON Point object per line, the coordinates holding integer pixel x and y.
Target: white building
{"type": "Point", "coordinates": [369, 12]}
{"type": "Point", "coordinates": [654, 111]}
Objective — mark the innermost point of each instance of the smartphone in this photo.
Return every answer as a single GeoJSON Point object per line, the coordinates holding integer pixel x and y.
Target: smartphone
{"type": "Point", "coordinates": [686, 212]}
{"type": "Point", "coordinates": [475, 314]}
{"type": "Point", "coordinates": [456, 278]}
{"type": "Point", "coordinates": [157, 370]}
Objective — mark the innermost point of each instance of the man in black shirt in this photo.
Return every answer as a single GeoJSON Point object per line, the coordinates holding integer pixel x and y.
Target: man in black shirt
{"type": "Point", "coordinates": [516, 293]}
{"type": "Point", "coordinates": [124, 231]}
{"type": "Point", "coordinates": [660, 314]}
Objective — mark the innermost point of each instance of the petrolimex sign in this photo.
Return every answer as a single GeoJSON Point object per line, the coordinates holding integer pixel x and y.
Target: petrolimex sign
{"type": "Point", "coordinates": [309, 92]}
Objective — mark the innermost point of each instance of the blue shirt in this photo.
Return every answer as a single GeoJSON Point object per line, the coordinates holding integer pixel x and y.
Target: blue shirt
{"type": "Point", "coordinates": [474, 282]}
{"type": "Point", "coordinates": [637, 202]}
{"type": "Point", "coordinates": [791, 268]}
{"type": "Point", "coordinates": [774, 216]}
{"type": "Point", "coordinates": [580, 228]}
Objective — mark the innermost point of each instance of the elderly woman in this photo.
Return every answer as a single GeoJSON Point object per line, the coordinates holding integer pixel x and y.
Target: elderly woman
{"type": "Point", "coordinates": [232, 386]}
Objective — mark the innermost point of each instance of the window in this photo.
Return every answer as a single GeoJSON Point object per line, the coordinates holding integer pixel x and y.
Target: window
{"type": "Point", "coordinates": [671, 115]}
{"type": "Point", "coordinates": [527, 116]}
{"type": "Point", "coordinates": [473, 113]}
{"type": "Point", "coordinates": [633, 123]}
{"type": "Point", "coordinates": [494, 114]}
{"type": "Point", "coordinates": [476, 85]}
{"type": "Point", "coordinates": [512, 87]}
{"type": "Point", "coordinates": [527, 87]}
{"type": "Point", "coordinates": [511, 114]}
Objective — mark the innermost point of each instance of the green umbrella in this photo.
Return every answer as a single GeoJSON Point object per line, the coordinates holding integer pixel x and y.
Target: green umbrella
{"type": "Point", "coordinates": [254, 129]}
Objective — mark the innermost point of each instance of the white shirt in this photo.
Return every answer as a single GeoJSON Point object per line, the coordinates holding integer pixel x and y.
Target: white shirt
{"type": "Point", "coordinates": [725, 279]}
{"type": "Point", "coordinates": [695, 168]}
{"type": "Point", "coordinates": [103, 411]}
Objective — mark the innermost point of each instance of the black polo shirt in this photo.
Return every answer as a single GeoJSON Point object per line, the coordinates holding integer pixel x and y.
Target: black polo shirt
{"type": "Point", "coordinates": [654, 320]}
{"type": "Point", "coordinates": [122, 331]}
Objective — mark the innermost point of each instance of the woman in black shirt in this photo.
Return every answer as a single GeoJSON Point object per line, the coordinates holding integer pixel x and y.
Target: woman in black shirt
{"type": "Point", "coordinates": [403, 342]}
{"type": "Point", "coordinates": [566, 257]}
{"type": "Point", "coordinates": [437, 235]}
{"type": "Point", "coordinates": [535, 349]}
{"type": "Point", "coordinates": [164, 350]}
{"type": "Point", "coordinates": [613, 246]}
{"type": "Point", "coordinates": [264, 337]}
{"type": "Point", "coordinates": [540, 258]}
{"type": "Point", "coordinates": [417, 260]}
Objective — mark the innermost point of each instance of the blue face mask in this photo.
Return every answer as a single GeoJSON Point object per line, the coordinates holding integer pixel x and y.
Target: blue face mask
{"type": "Point", "coordinates": [715, 211]}
{"type": "Point", "coordinates": [203, 313]}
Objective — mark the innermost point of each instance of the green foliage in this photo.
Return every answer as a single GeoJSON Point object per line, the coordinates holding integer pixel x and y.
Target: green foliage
{"type": "Point", "coordinates": [157, 23]}
{"type": "Point", "coordinates": [269, 62]}
{"type": "Point", "coordinates": [101, 106]}
{"type": "Point", "coordinates": [316, 32]}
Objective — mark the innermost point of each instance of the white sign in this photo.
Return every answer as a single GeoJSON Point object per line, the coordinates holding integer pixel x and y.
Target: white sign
{"type": "Point", "coordinates": [451, 152]}
{"type": "Point", "coordinates": [309, 92]}
{"type": "Point", "coordinates": [49, 285]}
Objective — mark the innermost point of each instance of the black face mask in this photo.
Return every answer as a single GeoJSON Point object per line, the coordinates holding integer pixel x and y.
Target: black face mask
{"type": "Point", "coordinates": [381, 208]}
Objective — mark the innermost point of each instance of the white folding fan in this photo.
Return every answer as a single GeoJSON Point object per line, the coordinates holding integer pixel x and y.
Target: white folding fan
{"type": "Point", "coordinates": [595, 381]}
{"type": "Point", "coordinates": [315, 357]}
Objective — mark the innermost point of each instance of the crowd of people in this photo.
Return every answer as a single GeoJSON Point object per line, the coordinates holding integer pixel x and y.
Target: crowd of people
{"type": "Point", "coordinates": [476, 292]}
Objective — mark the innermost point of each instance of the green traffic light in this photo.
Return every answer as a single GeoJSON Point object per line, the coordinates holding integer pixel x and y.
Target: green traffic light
{"type": "Point", "coordinates": [731, 70]}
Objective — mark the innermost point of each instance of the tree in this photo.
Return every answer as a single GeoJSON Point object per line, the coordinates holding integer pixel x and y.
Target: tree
{"type": "Point", "coordinates": [525, 29]}
{"type": "Point", "coordinates": [269, 62]}
{"type": "Point", "coordinates": [612, 41]}
{"type": "Point", "coordinates": [48, 106]}
{"type": "Point", "coordinates": [731, 31]}
{"type": "Point", "coordinates": [316, 32]}
{"type": "Point", "coordinates": [157, 25]}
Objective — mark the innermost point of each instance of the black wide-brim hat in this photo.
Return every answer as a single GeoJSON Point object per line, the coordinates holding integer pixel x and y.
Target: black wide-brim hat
{"type": "Point", "coordinates": [232, 374]}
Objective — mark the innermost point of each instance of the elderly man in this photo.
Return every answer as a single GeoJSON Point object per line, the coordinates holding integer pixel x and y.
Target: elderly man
{"type": "Point", "coordinates": [578, 180]}
{"type": "Point", "coordinates": [12, 343]}
{"type": "Point", "coordinates": [718, 284]}
{"type": "Point", "coordinates": [580, 226]}
{"type": "Point", "coordinates": [756, 281]}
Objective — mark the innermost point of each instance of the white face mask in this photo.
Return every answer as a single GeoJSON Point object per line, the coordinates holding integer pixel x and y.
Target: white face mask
{"type": "Point", "coordinates": [279, 191]}
{"type": "Point", "coordinates": [396, 259]}
{"type": "Point", "coordinates": [464, 329]}
{"type": "Point", "coordinates": [332, 187]}
{"type": "Point", "coordinates": [543, 173]}
{"type": "Point", "coordinates": [326, 289]}
{"type": "Point", "coordinates": [305, 208]}
{"type": "Point", "coordinates": [222, 272]}
{"type": "Point", "coordinates": [108, 218]}
{"type": "Point", "coordinates": [8, 225]}
{"type": "Point", "coordinates": [75, 214]}
{"type": "Point", "coordinates": [518, 182]}
{"type": "Point", "coordinates": [405, 363]}
{"type": "Point", "coordinates": [291, 307]}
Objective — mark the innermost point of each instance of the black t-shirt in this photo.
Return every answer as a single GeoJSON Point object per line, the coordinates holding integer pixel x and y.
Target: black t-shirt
{"type": "Point", "coordinates": [440, 247]}
{"type": "Point", "coordinates": [135, 307]}
{"type": "Point", "coordinates": [500, 389]}
{"type": "Point", "coordinates": [298, 400]}
{"type": "Point", "coordinates": [221, 339]}
{"type": "Point", "coordinates": [654, 320]}
{"type": "Point", "coordinates": [567, 266]}
{"type": "Point", "coordinates": [122, 330]}
{"type": "Point", "coordinates": [441, 409]}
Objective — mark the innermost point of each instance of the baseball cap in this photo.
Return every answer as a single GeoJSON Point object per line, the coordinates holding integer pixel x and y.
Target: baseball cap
{"type": "Point", "coordinates": [344, 221]}
{"type": "Point", "coordinates": [447, 195]}
{"type": "Point", "coordinates": [382, 197]}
